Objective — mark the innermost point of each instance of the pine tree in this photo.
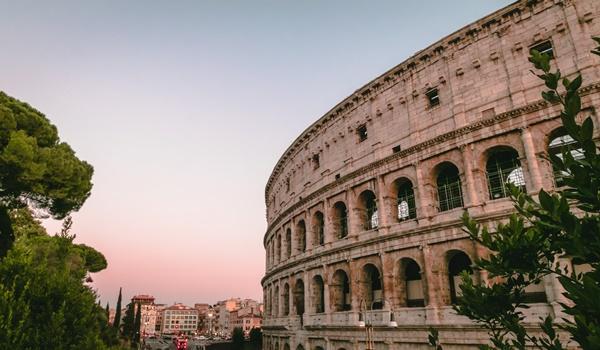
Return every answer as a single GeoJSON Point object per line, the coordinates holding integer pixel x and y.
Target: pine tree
{"type": "Point", "coordinates": [117, 321]}
{"type": "Point", "coordinates": [107, 311]}
{"type": "Point", "coordinates": [137, 324]}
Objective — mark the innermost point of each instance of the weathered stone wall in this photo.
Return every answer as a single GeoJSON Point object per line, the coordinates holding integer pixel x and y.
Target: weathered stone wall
{"type": "Point", "coordinates": [489, 108]}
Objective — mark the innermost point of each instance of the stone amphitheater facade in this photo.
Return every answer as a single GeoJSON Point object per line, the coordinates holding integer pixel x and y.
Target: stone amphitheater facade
{"type": "Point", "coordinates": [364, 207]}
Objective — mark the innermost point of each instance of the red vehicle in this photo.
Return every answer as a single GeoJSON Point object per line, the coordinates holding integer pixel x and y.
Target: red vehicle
{"type": "Point", "coordinates": [181, 342]}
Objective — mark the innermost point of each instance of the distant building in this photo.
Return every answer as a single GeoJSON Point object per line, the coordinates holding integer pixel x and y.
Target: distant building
{"type": "Point", "coordinates": [149, 313]}
{"type": "Point", "coordinates": [159, 318]}
{"type": "Point", "coordinates": [179, 318]}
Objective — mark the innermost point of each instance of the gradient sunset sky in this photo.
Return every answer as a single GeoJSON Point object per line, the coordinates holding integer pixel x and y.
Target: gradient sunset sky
{"type": "Point", "coordinates": [183, 108]}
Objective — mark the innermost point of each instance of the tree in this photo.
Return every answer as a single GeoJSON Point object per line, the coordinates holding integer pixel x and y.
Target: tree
{"type": "Point", "coordinates": [540, 239]}
{"type": "Point", "coordinates": [128, 321]}
{"type": "Point", "coordinates": [36, 168]}
{"type": "Point", "coordinates": [107, 311]}
{"type": "Point", "coordinates": [117, 320]}
{"type": "Point", "coordinates": [44, 302]}
{"type": "Point", "coordinates": [256, 338]}
{"type": "Point", "coordinates": [137, 324]}
{"type": "Point", "coordinates": [237, 338]}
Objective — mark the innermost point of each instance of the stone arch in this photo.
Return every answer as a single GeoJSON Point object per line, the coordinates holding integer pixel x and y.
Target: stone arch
{"type": "Point", "coordinates": [288, 243]}
{"type": "Point", "coordinates": [276, 302]}
{"type": "Point", "coordinates": [340, 219]}
{"type": "Point", "coordinates": [278, 249]}
{"type": "Point", "coordinates": [558, 142]}
{"type": "Point", "coordinates": [339, 289]}
{"type": "Point", "coordinates": [368, 213]}
{"type": "Point", "coordinates": [412, 281]}
{"type": "Point", "coordinates": [502, 166]}
{"type": "Point", "coordinates": [285, 295]}
{"type": "Point", "coordinates": [372, 287]}
{"type": "Point", "coordinates": [317, 299]}
{"type": "Point", "coordinates": [299, 296]}
{"type": "Point", "coordinates": [286, 346]}
{"type": "Point", "coordinates": [301, 236]}
{"type": "Point", "coordinates": [403, 199]}
{"type": "Point", "coordinates": [457, 262]}
{"type": "Point", "coordinates": [318, 228]}
{"type": "Point", "coordinates": [448, 186]}
{"type": "Point", "coordinates": [299, 347]}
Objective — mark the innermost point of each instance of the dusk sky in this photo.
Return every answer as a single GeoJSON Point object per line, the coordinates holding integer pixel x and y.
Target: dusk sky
{"type": "Point", "coordinates": [184, 107]}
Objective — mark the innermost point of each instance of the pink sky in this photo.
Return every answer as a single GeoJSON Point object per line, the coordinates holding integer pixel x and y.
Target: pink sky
{"type": "Point", "coordinates": [184, 107]}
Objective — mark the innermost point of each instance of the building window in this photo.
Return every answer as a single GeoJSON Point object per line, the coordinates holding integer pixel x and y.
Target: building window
{"type": "Point", "coordinates": [503, 167]}
{"type": "Point", "coordinates": [341, 219]}
{"type": "Point", "coordinates": [287, 184]}
{"type": "Point", "coordinates": [315, 161]}
{"type": "Point", "coordinates": [340, 291]}
{"type": "Point", "coordinates": [544, 47]}
{"type": "Point", "coordinates": [449, 188]}
{"type": "Point", "coordinates": [370, 214]}
{"type": "Point", "coordinates": [414, 285]}
{"type": "Point", "coordinates": [396, 149]}
{"type": "Point", "coordinates": [319, 228]}
{"type": "Point", "coordinates": [433, 97]}
{"type": "Point", "coordinates": [561, 143]}
{"type": "Point", "coordinates": [372, 287]}
{"type": "Point", "coordinates": [457, 263]}
{"type": "Point", "coordinates": [406, 200]}
{"type": "Point", "coordinates": [362, 133]}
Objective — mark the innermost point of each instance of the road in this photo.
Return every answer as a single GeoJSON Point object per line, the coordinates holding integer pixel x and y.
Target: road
{"type": "Point", "coordinates": [161, 344]}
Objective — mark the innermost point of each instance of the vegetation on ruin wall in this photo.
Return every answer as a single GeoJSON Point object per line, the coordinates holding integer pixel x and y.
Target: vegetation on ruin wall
{"type": "Point", "coordinates": [538, 238]}
{"type": "Point", "coordinates": [44, 300]}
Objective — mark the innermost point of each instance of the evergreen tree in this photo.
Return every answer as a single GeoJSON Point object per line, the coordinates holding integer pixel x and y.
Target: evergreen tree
{"type": "Point", "coordinates": [237, 338]}
{"type": "Point", "coordinates": [117, 320]}
{"type": "Point", "coordinates": [256, 338]}
{"type": "Point", "coordinates": [137, 324]}
{"type": "Point", "coordinates": [128, 321]}
{"type": "Point", "coordinates": [107, 311]}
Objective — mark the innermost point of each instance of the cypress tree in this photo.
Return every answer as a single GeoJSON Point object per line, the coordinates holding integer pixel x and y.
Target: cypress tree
{"type": "Point", "coordinates": [128, 321]}
{"type": "Point", "coordinates": [137, 324]}
{"type": "Point", "coordinates": [117, 321]}
{"type": "Point", "coordinates": [107, 310]}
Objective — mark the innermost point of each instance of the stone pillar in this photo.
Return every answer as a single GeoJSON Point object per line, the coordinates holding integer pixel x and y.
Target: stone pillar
{"type": "Point", "coordinates": [467, 155]}
{"type": "Point", "coordinates": [354, 280]}
{"type": "Point", "coordinates": [328, 222]}
{"type": "Point", "coordinates": [387, 272]}
{"type": "Point", "coordinates": [383, 208]}
{"type": "Point", "coordinates": [423, 209]}
{"type": "Point", "coordinates": [309, 231]}
{"type": "Point", "coordinates": [532, 162]}
{"type": "Point", "coordinates": [354, 214]}
{"type": "Point", "coordinates": [432, 276]}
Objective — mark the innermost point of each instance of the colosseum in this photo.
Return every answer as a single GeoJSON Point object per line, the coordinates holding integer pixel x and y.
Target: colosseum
{"type": "Point", "coordinates": [364, 240]}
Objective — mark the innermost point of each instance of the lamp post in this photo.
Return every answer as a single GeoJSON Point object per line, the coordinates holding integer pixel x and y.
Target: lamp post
{"type": "Point", "coordinates": [363, 322]}
{"type": "Point", "coordinates": [210, 315]}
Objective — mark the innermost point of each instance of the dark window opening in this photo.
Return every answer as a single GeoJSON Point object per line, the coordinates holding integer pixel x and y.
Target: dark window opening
{"type": "Point", "coordinates": [433, 97]}
{"type": "Point", "coordinates": [362, 133]}
{"type": "Point", "coordinates": [414, 285]}
{"type": "Point", "coordinates": [287, 184]}
{"type": "Point", "coordinates": [406, 202]}
{"type": "Point", "coordinates": [337, 176]}
{"type": "Point", "coordinates": [560, 144]}
{"type": "Point", "coordinates": [315, 161]}
{"type": "Point", "coordinates": [503, 167]}
{"type": "Point", "coordinates": [449, 188]}
{"type": "Point", "coordinates": [341, 219]}
{"type": "Point", "coordinates": [396, 149]}
{"type": "Point", "coordinates": [544, 47]}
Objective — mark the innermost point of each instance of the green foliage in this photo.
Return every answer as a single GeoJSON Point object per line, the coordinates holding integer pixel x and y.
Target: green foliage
{"type": "Point", "coordinates": [44, 303]}
{"type": "Point", "coordinates": [36, 168]}
{"type": "Point", "coordinates": [539, 237]}
{"type": "Point", "coordinates": [137, 323]}
{"type": "Point", "coordinates": [25, 224]}
{"type": "Point", "coordinates": [255, 338]}
{"type": "Point", "coordinates": [117, 321]}
{"type": "Point", "coordinates": [237, 338]}
{"type": "Point", "coordinates": [128, 322]}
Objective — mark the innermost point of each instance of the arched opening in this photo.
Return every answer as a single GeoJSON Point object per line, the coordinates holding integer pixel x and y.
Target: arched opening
{"type": "Point", "coordinates": [301, 236]}
{"type": "Point", "coordinates": [319, 228]}
{"type": "Point", "coordinates": [318, 295]}
{"type": "Point", "coordinates": [503, 167]}
{"type": "Point", "coordinates": [340, 291]}
{"type": "Point", "coordinates": [340, 219]}
{"type": "Point", "coordinates": [286, 299]}
{"type": "Point", "coordinates": [414, 284]}
{"type": "Point", "coordinates": [288, 243]}
{"type": "Point", "coordinates": [300, 347]}
{"type": "Point", "coordinates": [449, 188]}
{"type": "Point", "coordinates": [561, 143]}
{"type": "Point", "coordinates": [369, 216]}
{"type": "Point", "coordinates": [286, 346]}
{"type": "Point", "coordinates": [372, 287]}
{"type": "Point", "coordinates": [319, 348]}
{"type": "Point", "coordinates": [406, 208]}
{"type": "Point", "coordinates": [457, 263]}
{"type": "Point", "coordinates": [275, 302]}
{"type": "Point", "coordinates": [299, 297]}
{"type": "Point", "coordinates": [278, 248]}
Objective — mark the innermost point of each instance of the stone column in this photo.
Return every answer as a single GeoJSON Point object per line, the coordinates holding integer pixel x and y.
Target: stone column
{"type": "Point", "coordinates": [532, 162]}
{"type": "Point", "coordinates": [467, 155]}
{"type": "Point", "coordinates": [328, 222]}
{"type": "Point", "coordinates": [432, 276]}
{"type": "Point", "coordinates": [354, 213]}
{"type": "Point", "coordinates": [354, 280]}
{"type": "Point", "coordinates": [387, 272]}
{"type": "Point", "coordinates": [383, 208]}
{"type": "Point", "coordinates": [423, 210]}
